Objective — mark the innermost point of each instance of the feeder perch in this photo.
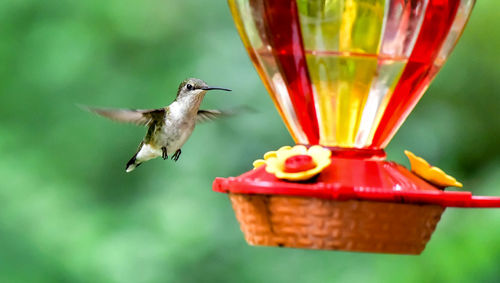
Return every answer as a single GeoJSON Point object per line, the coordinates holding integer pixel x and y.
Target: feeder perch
{"type": "Point", "coordinates": [344, 75]}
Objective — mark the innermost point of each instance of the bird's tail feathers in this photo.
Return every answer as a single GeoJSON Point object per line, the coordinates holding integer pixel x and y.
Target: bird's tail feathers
{"type": "Point", "coordinates": [132, 164]}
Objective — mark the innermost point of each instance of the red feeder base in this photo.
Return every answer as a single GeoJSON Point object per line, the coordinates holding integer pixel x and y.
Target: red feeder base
{"type": "Point", "coordinates": [358, 203]}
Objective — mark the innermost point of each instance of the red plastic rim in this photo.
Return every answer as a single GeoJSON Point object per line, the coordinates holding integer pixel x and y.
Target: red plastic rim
{"type": "Point", "coordinates": [352, 178]}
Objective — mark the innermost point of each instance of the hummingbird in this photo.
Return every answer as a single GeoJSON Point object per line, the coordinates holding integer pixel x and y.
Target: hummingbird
{"type": "Point", "coordinates": [168, 127]}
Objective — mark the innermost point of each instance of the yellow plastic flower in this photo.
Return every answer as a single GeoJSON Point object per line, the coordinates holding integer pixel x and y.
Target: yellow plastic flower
{"type": "Point", "coordinates": [430, 173]}
{"type": "Point", "coordinates": [295, 163]}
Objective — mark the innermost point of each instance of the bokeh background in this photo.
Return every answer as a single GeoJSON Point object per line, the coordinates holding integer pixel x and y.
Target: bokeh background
{"type": "Point", "coordinates": [69, 212]}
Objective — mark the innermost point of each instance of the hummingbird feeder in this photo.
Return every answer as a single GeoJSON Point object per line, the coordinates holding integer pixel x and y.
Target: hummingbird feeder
{"type": "Point", "coordinates": [344, 75]}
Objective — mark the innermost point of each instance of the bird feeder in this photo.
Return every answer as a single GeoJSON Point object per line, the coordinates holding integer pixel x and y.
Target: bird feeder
{"type": "Point", "coordinates": [344, 75]}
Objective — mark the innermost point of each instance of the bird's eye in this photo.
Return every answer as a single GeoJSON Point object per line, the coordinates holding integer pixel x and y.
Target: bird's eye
{"type": "Point", "coordinates": [189, 86]}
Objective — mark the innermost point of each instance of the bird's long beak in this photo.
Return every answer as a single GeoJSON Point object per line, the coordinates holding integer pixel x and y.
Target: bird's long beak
{"type": "Point", "coordinates": [214, 88]}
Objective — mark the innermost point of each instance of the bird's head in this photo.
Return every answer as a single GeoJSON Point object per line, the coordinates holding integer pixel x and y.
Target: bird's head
{"type": "Point", "coordinates": [194, 88]}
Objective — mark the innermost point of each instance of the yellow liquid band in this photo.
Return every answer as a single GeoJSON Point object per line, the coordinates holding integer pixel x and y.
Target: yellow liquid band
{"type": "Point", "coordinates": [343, 64]}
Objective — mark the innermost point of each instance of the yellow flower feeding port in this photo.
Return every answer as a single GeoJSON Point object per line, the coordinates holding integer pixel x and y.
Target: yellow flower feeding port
{"type": "Point", "coordinates": [430, 173]}
{"type": "Point", "coordinates": [296, 163]}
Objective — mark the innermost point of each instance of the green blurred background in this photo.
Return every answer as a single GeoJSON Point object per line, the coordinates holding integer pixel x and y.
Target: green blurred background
{"type": "Point", "coordinates": [69, 212]}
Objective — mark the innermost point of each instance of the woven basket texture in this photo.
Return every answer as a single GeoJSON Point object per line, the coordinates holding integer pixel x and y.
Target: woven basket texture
{"type": "Point", "coordinates": [353, 225]}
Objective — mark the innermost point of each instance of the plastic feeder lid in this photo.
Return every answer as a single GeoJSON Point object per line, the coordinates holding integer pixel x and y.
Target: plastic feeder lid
{"type": "Point", "coordinates": [358, 179]}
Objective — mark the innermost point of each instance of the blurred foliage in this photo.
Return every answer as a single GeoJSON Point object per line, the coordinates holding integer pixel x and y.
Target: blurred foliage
{"type": "Point", "coordinates": [70, 213]}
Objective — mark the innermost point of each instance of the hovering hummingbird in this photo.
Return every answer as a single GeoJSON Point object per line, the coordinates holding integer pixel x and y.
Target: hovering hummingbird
{"type": "Point", "coordinates": [168, 127]}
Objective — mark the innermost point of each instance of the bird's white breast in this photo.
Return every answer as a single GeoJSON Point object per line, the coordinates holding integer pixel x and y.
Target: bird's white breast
{"type": "Point", "coordinates": [179, 125]}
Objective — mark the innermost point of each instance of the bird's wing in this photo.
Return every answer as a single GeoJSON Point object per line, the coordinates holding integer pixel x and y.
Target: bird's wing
{"type": "Point", "coordinates": [134, 116]}
{"type": "Point", "coordinates": [210, 115]}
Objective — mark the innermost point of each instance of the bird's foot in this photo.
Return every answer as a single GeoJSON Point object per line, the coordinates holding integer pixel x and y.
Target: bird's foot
{"type": "Point", "coordinates": [176, 155]}
{"type": "Point", "coordinates": [164, 153]}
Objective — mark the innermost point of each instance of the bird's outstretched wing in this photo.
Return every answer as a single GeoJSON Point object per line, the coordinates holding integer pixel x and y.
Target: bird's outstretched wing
{"type": "Point", "coordinates": [210, 115]}
{"type": "Point", "coordinates": [133, 116]}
